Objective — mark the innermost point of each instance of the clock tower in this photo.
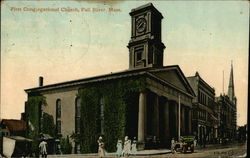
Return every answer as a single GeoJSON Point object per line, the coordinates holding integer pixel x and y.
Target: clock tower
{"type": "Point", "coordinates": [145, 46]}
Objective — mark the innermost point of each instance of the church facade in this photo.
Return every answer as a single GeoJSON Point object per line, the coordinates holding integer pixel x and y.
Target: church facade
{"type": "Point", "coordinates": [226, 108]}
{"type": "Point", "coordinates": [158, 93]}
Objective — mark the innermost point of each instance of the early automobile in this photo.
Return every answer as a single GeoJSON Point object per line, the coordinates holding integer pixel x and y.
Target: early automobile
{"type": "Point", "coordinates": [185, 144]}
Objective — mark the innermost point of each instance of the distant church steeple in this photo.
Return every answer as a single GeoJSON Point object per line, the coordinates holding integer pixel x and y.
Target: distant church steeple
{"type": "Point", "coordinates": [231, 85]}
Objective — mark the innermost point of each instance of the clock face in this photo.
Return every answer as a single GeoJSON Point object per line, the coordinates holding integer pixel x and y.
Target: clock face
{"type": "Point", "coordinates": [141, 25]}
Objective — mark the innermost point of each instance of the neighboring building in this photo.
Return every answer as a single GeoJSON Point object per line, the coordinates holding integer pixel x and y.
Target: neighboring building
{"type": "Point", "coordinates": [204, 121]}
{"type": "Point", "coordinates": [242, 133]}
{"type": "Point", "coordinates": [11, 127]}
{"type": "Point", "coordinates": [141, 102]}
{"type": "Point", "coordinates": [227, 117]}
{"type": "Point", "coordinates": [227, 109]}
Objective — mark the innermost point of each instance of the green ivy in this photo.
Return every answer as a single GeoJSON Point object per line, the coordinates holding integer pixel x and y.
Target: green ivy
{"type": "Point", "coordinates": [32, 110]}
{"type": "Point", "coordinates": [120, 98]}
{"type": "Point", "coordinates": [66, 146]}
{"type": "Point", "coordinates": [32, 117]}
{"type": "Point", "coordinates": [48, 125]}
{"type": "Point", "coordinates": [89, 102]}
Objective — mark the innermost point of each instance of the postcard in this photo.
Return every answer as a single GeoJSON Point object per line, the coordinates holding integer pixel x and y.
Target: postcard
{"type": "Point", "coordinates": [125, 77]}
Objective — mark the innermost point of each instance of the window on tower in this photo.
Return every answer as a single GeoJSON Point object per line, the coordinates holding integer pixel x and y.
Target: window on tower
{"type": "Point", "coordinates": [139, 55]}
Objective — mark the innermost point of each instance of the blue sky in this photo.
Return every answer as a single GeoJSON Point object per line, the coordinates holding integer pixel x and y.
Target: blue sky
{"type": "Point", "coordinates": [201, 36]}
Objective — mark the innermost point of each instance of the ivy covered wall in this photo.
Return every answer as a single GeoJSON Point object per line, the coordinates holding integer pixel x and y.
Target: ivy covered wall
{"type": "Point", "coordinates": [32, 117]}
{"type": "Point", "coordinates": [48, 125]}
{"type": "Point", "coordinates": [33, 114]}
{"type": "Point", "coordinates": [120, 101]}
{"type": "Point", "coordinates": [120, 112]}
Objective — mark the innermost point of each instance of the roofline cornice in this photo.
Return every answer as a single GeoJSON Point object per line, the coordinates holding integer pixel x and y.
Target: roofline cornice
{"type": "Point", "coordinates": [75, 83]}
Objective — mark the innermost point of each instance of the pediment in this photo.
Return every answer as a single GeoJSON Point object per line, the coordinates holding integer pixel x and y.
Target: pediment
{"type": "Point", "coordinates": [175, 77]}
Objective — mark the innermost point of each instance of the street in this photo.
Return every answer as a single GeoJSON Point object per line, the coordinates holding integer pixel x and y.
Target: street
{"type": "Point", "coordinates": [227, 151]}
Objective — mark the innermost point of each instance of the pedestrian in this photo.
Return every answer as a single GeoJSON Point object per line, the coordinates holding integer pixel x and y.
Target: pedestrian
{"type": "Point", "coordinates": [127, 146]}
{"type": "Point", "coordinates": [119, 148]}
{"type": "Point", "coordinates": [43, 148]}
{"type": "Point", "coordinates": [100, 147]}
{"type": "Point", "coordinates": [134, 148]}
{"type": "Point", "coordinates": [173, 146]}
{"type": "Point", "coordinates": [204, 141]}
{"type": "Point", "coordinates": [195, 142]}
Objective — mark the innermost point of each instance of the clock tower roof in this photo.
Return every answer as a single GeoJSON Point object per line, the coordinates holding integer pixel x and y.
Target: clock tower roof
{"type": "Point", "coordinates": [148, 6]}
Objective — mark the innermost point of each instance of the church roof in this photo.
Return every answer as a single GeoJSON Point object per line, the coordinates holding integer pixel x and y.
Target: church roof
{"type": "Point", "coordinates": [148, 6]}
{"type": "Point", "coordinates": [156, 73]}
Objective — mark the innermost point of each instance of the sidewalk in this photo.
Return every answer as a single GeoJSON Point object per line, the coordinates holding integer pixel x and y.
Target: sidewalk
{"type": "Point", "coordinates": [93, 155]}
{"type": "Point", "coordinates": [153, 152]}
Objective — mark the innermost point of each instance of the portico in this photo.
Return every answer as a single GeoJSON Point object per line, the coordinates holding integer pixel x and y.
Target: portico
{"type": "Point", "coordinates": [158, 112]}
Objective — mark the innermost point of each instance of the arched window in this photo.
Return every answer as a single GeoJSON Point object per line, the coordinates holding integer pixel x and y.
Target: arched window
{"type": "Point", "coordinates": [77, 115]}
{"type": "Point", "coordinates": [77, 123]}
{"type": "Point", "coordinates": [58, 116]}
{"type": "Point", "coordinates": [102, 114]}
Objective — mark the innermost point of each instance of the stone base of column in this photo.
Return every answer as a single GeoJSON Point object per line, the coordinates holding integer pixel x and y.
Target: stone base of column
{"type": "Point", "coordinates": [140, 145]}
{"type": "Point", "coordinates": [156, 143]}
{"type": "Point", "coordinates": [73, 148]}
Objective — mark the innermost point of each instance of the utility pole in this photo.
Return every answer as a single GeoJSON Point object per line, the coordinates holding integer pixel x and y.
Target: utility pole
{"type": "Point", "coordinates": [179, 119]}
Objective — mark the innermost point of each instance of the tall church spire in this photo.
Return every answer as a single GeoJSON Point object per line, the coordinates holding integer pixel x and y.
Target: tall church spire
{"type": "Point", "coordinates": [231, 84]}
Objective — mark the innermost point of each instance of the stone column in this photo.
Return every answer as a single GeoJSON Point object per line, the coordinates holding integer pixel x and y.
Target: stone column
{"type": "Point", "coordinates": [156, 117]}
{"type": "Point", "coordinates": [198, 133]}
{"type": "Point", "coordinates": [141, 120]}
{"type": "Point", "coordinates": [190, 121]}
{"type": "Point", "coordinates": [182, 120]}
{"type": "Point", "coordinates": [166, 122]}
{"type": "Point", "coordinates": [73, 147]}
{"type": "Point", "coordinates": [176, 118]}
{"type": "Point", "coordinates": [145, 118]}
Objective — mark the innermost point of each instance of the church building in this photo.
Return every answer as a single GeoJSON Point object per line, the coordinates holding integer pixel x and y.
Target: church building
{"type": "Point", "coordinates": [148, 101]}
{"type": "Point", "coordinates": [227, 109]}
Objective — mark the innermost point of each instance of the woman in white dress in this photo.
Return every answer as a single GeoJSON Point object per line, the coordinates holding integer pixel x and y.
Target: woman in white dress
{"type": "Point", "coordinates": [100, 147]}
{"type": "Point", "coordinates": [127, 146]}
{"type": "Point", "coordinates": [119, 148]}
{"type": "Point", "coordinates": [134, 148]}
